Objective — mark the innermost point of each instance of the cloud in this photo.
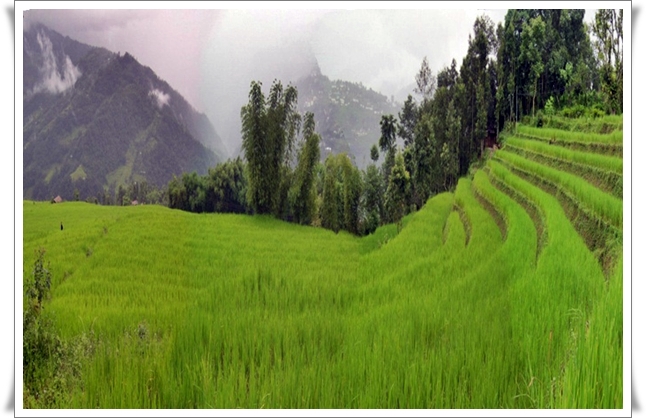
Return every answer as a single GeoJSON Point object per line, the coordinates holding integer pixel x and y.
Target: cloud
{"type": "Point", "coordinates": [76, 21]}
{"type": "Point", "coordinates": [161, 97]}
{"type": "Point", "coordinates": [53, 80]}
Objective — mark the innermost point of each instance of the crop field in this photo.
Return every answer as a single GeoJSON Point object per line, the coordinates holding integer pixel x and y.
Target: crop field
{"type": "Point", "coordinates": [491, 296]}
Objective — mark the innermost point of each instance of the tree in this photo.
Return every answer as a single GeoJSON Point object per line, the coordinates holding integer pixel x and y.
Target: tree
{"type": "Point", "coordinates": [256, 150]}
{"type": "Point", "coordinates": [374, 153]}
{"type": "Point", "coordinates": [398, 187]}
{"type": "Point", "coordinates": [532, 46]}
{"type": "Point", "coordinates": [608, 30]}
{"type": "Point", "coordinates": [387, 142]}
{"type": "Point", "coordinates": [388, 133]}
{"type": "Point", "coordinates": [352, 187]}
{"type": "Point", "coordinates": [329, 209]}
{"type": "Point", "coordinates": [303, 193]}
{"type": "Point", "coordinates": [425, 81]}
{"type": "Point", "coordinates": [425, 163]}
{"type": "Point", "coordinates": [407, 121]}
{"type": "Point", "coordinates": [269, 130]}
{"type": "Point", "coordinates": [177, 196]}
{"type": "Point", "coordinates": [227, 187]}
{"type": "Point", "coordinates": [372, 199]}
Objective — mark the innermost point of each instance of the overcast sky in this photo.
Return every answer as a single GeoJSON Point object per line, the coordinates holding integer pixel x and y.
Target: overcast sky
{"type": "Point", "coordinates": [211, 56]}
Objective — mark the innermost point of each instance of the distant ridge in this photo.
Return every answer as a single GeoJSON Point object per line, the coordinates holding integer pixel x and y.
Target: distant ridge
{"type": "Point", "coordinates": [94, 120]}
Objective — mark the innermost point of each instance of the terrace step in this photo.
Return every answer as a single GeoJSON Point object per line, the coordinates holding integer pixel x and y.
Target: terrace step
{"type": "Point", "coordinates": [603, 206]}
{"type": "Point", "coordinates": [598, 235]}
{"type": "Point", "coordinates": [608, 181]}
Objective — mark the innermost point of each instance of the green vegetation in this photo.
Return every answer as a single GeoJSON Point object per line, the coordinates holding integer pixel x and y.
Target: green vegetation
{"type": "Point", "coordinates": [504, 290]}
{"type": "Point", "coordinates": [603, 162]}
{"type": "Point", "coordinates": [452, 309]}
{"type": "Point", "coordinates": [616, 137]}
{"type": "Point", "coordinates": [606, 207]}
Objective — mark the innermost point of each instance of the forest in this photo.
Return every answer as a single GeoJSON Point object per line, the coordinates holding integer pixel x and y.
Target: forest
{"type": "Point", "coordinates": [536, 67]}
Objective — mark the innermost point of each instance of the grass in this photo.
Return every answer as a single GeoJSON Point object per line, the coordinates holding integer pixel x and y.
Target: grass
{"type": "Point", "coordinates": [564, 289]}
{"type": "Point", "coordinates": [607, 207]}
{"type": "Point", "coordinates": [616, 137]}
{"type": "Point", "coordinates": [604, 162]}
{"type": "Point", "coordinates": [457, 310]}
{"type": "Point", "coordinates": [602, 125]}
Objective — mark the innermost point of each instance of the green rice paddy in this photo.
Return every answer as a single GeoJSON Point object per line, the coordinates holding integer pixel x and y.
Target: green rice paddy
{"type": "Point", "coordinates": [235, 311]}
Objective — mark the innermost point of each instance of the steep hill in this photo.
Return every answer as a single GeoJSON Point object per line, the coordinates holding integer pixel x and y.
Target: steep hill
{"type": "Point", "coordinates": [94, 119]}
{"type": "Point", "coordinates": [347, 114]}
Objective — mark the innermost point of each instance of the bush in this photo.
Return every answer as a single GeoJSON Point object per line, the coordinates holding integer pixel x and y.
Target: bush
{"type": "Point", "coordinates": [549, 107]}
{"type": "Point", "coordinates": [539, 119]}
{"type": "Point", "coordinates": [51, 366]}
{"type": "Point", "coordinates": [573, 112]}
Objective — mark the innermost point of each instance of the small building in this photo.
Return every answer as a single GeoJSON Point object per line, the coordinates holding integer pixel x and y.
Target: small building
{"type": "Point", "coordinates": [58, 199]}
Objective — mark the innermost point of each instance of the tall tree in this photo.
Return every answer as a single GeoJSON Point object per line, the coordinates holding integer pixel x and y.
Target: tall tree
{"type": "Point", "coordinates": [372, 199]}
{"type": "Point", "coordinates": [407, 121]}
{"type": "Point", "coordinates": [303, 192]}
{"type": "Point", "coordinates": [331, 198]}
{"type": "Point", "coordinates": [352, 187]}
{"type": "Point", "coordinates": [425, 80]}
{"type": "Point", "coordinates": [608, 31]}
{"type": "Point", "coordinates": [269, 130]}
{"type": "Point", "coordinates": [398, 188]}
{"type": "Point", "coordinates": [256, 150]}
{"type": "Point", "coordinates": [531, 50]}
{"type": "Point", "coordinates": [387, 142]}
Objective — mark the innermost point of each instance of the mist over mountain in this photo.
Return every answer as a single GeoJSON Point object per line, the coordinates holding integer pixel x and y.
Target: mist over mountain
{"type": "Point", "coordinates": [95, 119]}
{"type": "Point", "coordinates": [347, 114]}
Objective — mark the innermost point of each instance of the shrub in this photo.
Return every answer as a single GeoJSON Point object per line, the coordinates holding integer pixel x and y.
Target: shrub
{"type": "Point", "coordinates": [549, 107]}
{"type": "Point", "coordinates": [50, 365]}
{"type": "Point", "coordinates": [539, 119]}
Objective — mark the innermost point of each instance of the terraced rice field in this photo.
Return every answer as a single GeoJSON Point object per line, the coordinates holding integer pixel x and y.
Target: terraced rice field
{"type": "Point", "coordinates": [506, 293]}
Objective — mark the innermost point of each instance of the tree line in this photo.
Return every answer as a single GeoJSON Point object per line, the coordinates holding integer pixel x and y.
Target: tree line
{"type": "Point", "coordinates": [537, 60]}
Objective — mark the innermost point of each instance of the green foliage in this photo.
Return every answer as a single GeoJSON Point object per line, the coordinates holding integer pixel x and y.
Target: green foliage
{"type": "Point", "coordinates": [388, 133]}
{"type": "Point", "coordinates": [407, 121]}
{"type": "Point", "coordinates": [425, 162]}
{"type": "Point", "coordinates": [398, 190]}
{"type": "Point", "coordinates": [51, 366]}
{"type": "Point", "coordinates": [352, 188]}
{"type": "Point", "coordinates": [303, 192]}
{"type": "Point", "coordinates": [425, 80]}
{"type": "Point", "coordinates": [227, 187]}
{"type": "Point", "coordinates": [269, 130]}
{"type": "Point", "coordinates": [256, 149]}
{"type": "Point", "coordinates": [549, 107]}
{"type": "Point", "coordinates": [374, 153]}
{"type": "Point", "coordinates": [331, 197]}
{"type": "Point", "coordinates": [372, 199]}
{"type": "Point", "coordinates": [342, 192]}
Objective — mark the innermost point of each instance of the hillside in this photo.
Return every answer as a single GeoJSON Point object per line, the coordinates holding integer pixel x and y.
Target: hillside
{"type": "Point", "coordinates": [347, 114]}
{"type": "Point", "coordinates": [95, 120]}
{"type": "Point", "coordinates": [506, 293]}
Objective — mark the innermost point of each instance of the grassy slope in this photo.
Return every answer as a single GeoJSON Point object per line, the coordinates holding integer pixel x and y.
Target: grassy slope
{"type": "Point", "coordinates": [225, 311]}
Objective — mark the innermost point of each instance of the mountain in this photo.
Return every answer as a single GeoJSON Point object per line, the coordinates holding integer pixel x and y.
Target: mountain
{"type": "Point", "coordinates": [347, 114]}
{"type": "Point", "coordinates": [94, 120]}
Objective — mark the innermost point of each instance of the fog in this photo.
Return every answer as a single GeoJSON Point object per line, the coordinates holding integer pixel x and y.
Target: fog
{"type": "Point", "coordinates": [51, 80]}
{"type": "Point", "coordinates": [211, 56]}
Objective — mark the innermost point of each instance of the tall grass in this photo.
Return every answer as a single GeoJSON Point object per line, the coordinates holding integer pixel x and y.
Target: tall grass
{"type": "Point", "coordinates": [604, 205]}
{"type": "Point", "coordinates": [616, 137]}
{"type": "Point", "coordinates": [552, 305]}
{"type": "Point", "coordinates": [228, 311]}
{"type": "Point", "coordinates": [603, 162]}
